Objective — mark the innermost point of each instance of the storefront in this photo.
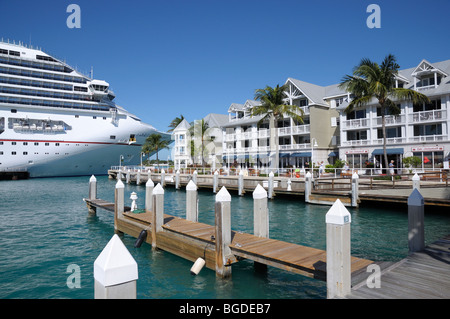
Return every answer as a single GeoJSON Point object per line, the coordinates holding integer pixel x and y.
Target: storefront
{"type": "Point", "coordinates": [357, 158]}
{"type": "Point", "coordinates": [431, 156]}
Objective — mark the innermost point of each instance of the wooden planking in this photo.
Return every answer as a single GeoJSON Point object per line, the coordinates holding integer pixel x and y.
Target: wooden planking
{"type": "Point", "coordinates": [423, 275]}
{"type": "Point", "coordinates": [288, 256]}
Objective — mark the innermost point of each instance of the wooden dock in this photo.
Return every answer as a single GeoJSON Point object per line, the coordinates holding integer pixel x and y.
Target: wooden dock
{"type": "Point", "coordinates": [191, 240]}
{"type": "Point", "coordinates": [421, 275]}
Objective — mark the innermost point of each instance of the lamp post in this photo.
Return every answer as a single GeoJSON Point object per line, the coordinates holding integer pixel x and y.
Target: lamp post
{"type": "Point", "coordinates": [120, 162]}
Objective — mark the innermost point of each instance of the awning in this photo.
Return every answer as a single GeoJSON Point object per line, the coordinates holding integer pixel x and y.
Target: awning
{"type": "Point", "coordinates": [285, 154]}
{"type": "Point", "coordinates": [332, 154]}
{"type": "Point", "coordinates": [303, 154]}
{"type": "Point", "coordinates": [389, 151]}
{"type": "Point", "coordinates": [229, 158]}
{"type": "Point", "coordinates": [243, 156]}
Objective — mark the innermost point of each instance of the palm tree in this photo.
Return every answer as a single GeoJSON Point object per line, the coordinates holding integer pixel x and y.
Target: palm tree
{"type": "Point", "coordinates": [175, 122]}
{"type": "Point", "coordinates": [199, 130]}
{"type": "Point", "coordinates": [273, 108]}
{"type": "Point", "coordinates": [155, 143]}
{"type": "Point", "coordinates": [370, 80]}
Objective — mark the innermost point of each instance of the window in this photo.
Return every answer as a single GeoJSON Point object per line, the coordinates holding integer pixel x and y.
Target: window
{"type": "Point", "coordinates": [25, 153]}
{"type": "Point", "coordinates": [112, 137]}
{"type": "Point", "coordinates": [431, 129]}
{"type": "Point", "coordinates": [390, 132]}
{"type": "Point", "coordinates": [356, 135]}
{"type": "Point", "coordinates": [357, 160]}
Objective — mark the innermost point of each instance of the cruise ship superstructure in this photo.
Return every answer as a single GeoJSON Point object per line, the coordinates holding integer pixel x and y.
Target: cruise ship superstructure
{"type": "Point", "coordinates": [55, 121]}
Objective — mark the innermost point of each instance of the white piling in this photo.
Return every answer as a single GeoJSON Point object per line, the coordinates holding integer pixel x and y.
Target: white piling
{"type": "Point", "coordinates": [128, 176]}
{"type": "Point", "coordinates": [416, 227]}
{"type": "Point", "coordinates": [215, 181]}
{"type": "Point", "coordinates": [289, 185]}
{"type": "Point", "coordinates": [92, 187]}
{"type": "Point", "coordinates": [241, 183]}
{"type": "Point", "coordinates": [416, 182]}
{"type": "Point", "coordinates": [223, 233]}
{"type": "Point", "coordinates": [133, 198]}
{"type": "Point", "coordinates": [158, 212]}
{"type": "Point", "coordinates": [260, 212]}
{"type": "Point", "coordinates": [115, 272]}
{"type": "Point", "coordinates": [194, 177]}
{"type": "Point", "coordinates": [149, 194]}
{"type": "Point", "coordinates": [270, 184]}
{"type": "Point", "coordinates": [119, 203]}
{"type": "Point", "coordinates": [177, 179]}
{"type": "Point", "coordinates": [163, 178]}
{"type": "Point", "coordinates": [307, 186]}
{"type": "Point", "coordinates": [355, 187]}
{"type": "Point", "coordinates": [191, 202]}
{"type": "Point", "coordinates": [338, 221]}
{"type": "Point", "coordinates": [138, 177]}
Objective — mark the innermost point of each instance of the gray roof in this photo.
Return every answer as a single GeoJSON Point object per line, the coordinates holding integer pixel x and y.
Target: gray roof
{"type": "Point", "coordinates": [184, 125]}
{"type": "Point", "coordinates": [314, 93]}
{"type": "Point", "coordinates": [216, 120]}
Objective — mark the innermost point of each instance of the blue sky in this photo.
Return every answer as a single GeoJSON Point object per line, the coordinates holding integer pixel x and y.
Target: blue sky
{"type": "Point", "coordinates": [166, 58]}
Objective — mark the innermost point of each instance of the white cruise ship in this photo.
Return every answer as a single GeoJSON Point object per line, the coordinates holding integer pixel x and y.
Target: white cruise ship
{"type": "Point", "coordinates": [55, 121]}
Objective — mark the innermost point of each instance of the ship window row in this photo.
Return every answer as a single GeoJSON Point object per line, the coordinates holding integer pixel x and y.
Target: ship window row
{"type": "Point", "coordinates": [11, 52]}
{"type": "Point", "coordinates": [48, 94]}
{"type": "Point", "coordinates": [35, 65]}
{"type": "Point", "coordinates": [42, 75]}
{"type": "Point", "coordinates": [73, 105]}
{"type": "Point", "coordinates": [41, 84]}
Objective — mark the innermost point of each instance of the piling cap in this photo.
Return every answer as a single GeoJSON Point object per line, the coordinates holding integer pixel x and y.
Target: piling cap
{"type": "Point", "coordinates": [158, 190]}
{"type": "Point", "coordinates": [355, 175]}
{"type": "Point", "coordinates": [195, 172]}
{"type": "Point", "coordinates": [259, 192]}
{"type": "Point", "coordinates": [92, 179]}
{"type": "Point", "coordinates": [271, 174]}
{"type": "Point", "coordinates": [308, 175]}
{"type": "Point", "coordinates": [223, 195]}
{"type": "Point", "coordinates": [338, 214]}
{"type": "Point", "coordinates": [416, 177]}
{"type": "Point", "coordinates": [191, 186]}
{"type": "Point", "coordinates": [115, 265]}
{"type": "Point", "coordinates": [119, 184]}
{"type": "Point", "coordinates": [216, 173]}
{"type": "Point", "coordinates": [149, 182]}
{"type": "Point", "coordinates": [415, 199]}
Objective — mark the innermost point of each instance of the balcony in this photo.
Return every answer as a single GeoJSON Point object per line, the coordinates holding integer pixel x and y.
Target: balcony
{"type": "Point", "coordinates": [428, 116]}
{"type": "Point", "coordinates": [390, 140]}
{"type": "Point", "coordinates": [355, 124]}
{"type": "Point", "coordinates": [390, 120]}
{"type": "Point", "coordinates": [428, 138]}
{"type": "Point", "coordinates": [299, 129]}
{"type": "Point", "coordinates": [288, 147]}
{"type": "Point", "coordinates": [355, 142]}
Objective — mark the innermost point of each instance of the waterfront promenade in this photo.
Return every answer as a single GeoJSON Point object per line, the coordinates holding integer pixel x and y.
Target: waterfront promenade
{"type": "Point", "coordinates": [324, 190]}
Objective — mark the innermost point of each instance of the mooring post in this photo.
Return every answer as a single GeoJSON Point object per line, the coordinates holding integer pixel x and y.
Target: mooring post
{"type": "Point", "coordinates": [260, 212]}
{"type": "Point", "coordinates": [223, 233]}
{"type": "Point", "coordinates": [119, 204]}
{"type": "Point", "coordinates": [270, 184]}
{"type": "Point", "coordinates": [115, 272]}
{"type": "Point", "coordinates": [307, 186]}
{"type": "Point", "coordinates": [163, 178]}
{"type": "Point", "coordinates": [128, 176]}
{"type": "Point", "coordinates": [416, 227]}
{"type": "Point", "coordinates": [289, 182]}
{"type": "Point", "coordinates": [194, 177]}
{"type": "Point", "coordinates": [191, 202]}
{"type": "Point", "coordinates": [92, 187]}
{"type": "Point", "coordinates": [241, 183]}
{"type": "Point", "coordinates": [138, 177]}
{"type": "Point", "coordinates": [416, 181]}
{"type": "Point", "coordinates": [158, 212]}
{"type": "Point", "coordinates": [215, 181]}
{"type": "Point", "coordinates": [355, 186]}
{"type": "Point", "coordinates": [338, 221]}
{"type": "Point", "coordinates": [177, 179]}
{"type": "Point", "coordinates": [149, 194]}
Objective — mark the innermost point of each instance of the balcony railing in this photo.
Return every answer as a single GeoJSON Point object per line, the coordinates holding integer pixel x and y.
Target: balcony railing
{"type": "Point", "coordinates": [355, 142]}
{"type": "Point", "coordinates": [428, 116]}
{"type": "Point", "coordinates": [294, 146]}
{"type": "Point", "coordinates": [390, 120]}
{"type": "Point", "coordinates": [299, 129]}
{"type": "Point", "coordinates": [428, 138]}
{"type": "Point", "coordinates": [357, 123]}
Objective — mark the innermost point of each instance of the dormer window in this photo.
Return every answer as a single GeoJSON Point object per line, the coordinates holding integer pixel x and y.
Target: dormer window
{"type": "Point", "coordinates": [426, 75]}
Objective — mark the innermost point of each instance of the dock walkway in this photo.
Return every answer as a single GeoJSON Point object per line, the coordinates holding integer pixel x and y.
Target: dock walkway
{"type": "Point", "coordinates": [307, 261]}
{"type": "Point", "coordinates": [421, 275]}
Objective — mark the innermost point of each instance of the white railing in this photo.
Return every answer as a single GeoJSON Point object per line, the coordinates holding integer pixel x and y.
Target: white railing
{"type": "Point", "coordinates": [355, 142]}
{"type": "Point", "coordinates": [390, 120]}
{"type": "Point", "coordinates": [357, 123]}
{"type": "Point", "coordinates": [299, 129]}
{"type": "Point", "coordinates": [294, 146]}
{"type": "Point", "coordinates": [264, 133]}
{"type": "Point", "coordinates": [390, 140]}
{"type": "Point", "coordinates": [428, 116]}
{"type": "Point", "coordinates": [428, 138]}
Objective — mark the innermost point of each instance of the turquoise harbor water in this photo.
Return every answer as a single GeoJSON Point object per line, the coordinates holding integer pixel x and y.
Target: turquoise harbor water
{"type": "Point", "coordinates": [45, 227]}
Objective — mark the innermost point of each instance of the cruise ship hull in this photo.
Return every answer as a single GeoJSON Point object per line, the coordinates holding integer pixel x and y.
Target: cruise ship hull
{"type": "Point", "coordinates": [89, 143]}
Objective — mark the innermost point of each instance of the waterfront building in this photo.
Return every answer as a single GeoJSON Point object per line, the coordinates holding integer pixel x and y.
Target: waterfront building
{"type": "Point", "coordinates": [419, 130]}
{"type": "Point", "coordinates": [328, 133]}
{"type": "Point", "coordinates": [187, 147]}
